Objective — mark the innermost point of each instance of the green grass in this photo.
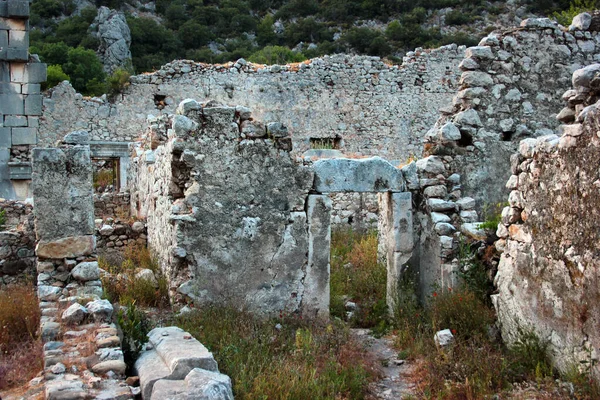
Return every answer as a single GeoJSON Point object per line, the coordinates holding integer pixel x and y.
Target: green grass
{"type": "Point", "coordinates": [357, 276]}
{"type": "Point", "coordinates": [301, 360]}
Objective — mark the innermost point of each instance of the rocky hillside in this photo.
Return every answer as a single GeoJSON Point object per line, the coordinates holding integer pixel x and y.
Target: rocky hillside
{"type": "Point", "coordinates": [68, 34]}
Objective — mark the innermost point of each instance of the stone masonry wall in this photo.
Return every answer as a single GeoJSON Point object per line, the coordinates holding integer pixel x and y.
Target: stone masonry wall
{"type": "Point", "coordinates": [82, 350]}
{"type": "Point", "coordinates": [20, 99]}
{"type": "Point", "coordinates": [354, 211]}
{"type": "Point", "coordinates": [510, 89]}
{"type": "Point", "coordinates": [17, 240]}
{"type": "Point", "coordinates": [372, 107]}
{"type": "Point", "coordinates": [549, 274]}
{"type": "Point", "coordinates": [233, 202]}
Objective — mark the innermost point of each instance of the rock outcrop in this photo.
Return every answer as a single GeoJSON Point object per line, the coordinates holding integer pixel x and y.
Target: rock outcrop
{"type": "Point", "coordinates": [111, 29]}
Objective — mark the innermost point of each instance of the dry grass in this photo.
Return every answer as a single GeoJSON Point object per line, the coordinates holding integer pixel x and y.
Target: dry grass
{"type": "Point", "coordinates": [355, 273]}
{"type": "Point", "coordinates": [125, 288]}
{"type": "Point", "coordinates": [20, 349]}
{"type": "Point", "coordinates": [301, 360]}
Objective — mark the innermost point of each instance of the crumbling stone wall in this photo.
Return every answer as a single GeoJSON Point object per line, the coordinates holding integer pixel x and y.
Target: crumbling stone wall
{"type": "Point", "coordinates": [68, 278]}
{"type": "Point", "coordinates": [357, 211]}
{"type": "Point", "coordinates": [17, 240]}
{"type": "Point", "coordinates": [230, 215]}
{"type": "Point", "coordinates": [548, 277]}
{"type": "Point", "coordinates": [20, 99]}
{"type": "Point", "coordinates": [372, 107]}
{"type": "Point", "coordinates": [510, 89]}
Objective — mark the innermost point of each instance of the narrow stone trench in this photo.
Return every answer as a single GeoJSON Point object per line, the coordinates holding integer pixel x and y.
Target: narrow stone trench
{"type": "Point", "coordinates": [393, 384]}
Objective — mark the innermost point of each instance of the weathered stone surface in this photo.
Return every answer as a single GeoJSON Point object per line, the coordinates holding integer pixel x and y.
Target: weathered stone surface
{"type": "Point", "coordinates": [100, 310]}
{"type": "Point", "coordinates": [444, 338]}
{"type": "Point", "coordinates": [62, 191]}
{"type": "Point", "coordinates": [115, 38]}
{"type": "Point", "coordinates": [116, 366]}
{"type": "Point", "coordinates": [74, 315]}
{"type": "Point", "coordinates": [86, 271]}
{"type": "Point", "coordinates": [48, 293]}
{"type": "Point", "coordinates": [441, 205]}
{"type": "Point", "coordinates": [316, 282]}
{"type": "Point", "coordinates": [69, 247]}
{"type": "Point", "coordinates": [581, 22]}
{"type": "Point", "coordinates": [357, 175]}
{"type": "Point", "coordinates": [473, 231]}
{"type": "Point", "coordinates": [150, 368]}
{"type": "Point", "coordinates": [449, 131]}
{"type": "Point", "coordinates": [432, 165]}
{"type": "Point", "coordinates": [77, 137]}
{"type": "Point", "coordinates": [208, 385]}
{"type": "Point", "coordinates": [180, 352]}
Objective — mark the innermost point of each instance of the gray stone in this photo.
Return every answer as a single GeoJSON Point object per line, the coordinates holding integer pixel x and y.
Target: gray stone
{"type": "Point", "coordinates": [449, 131]}
{"type": "Point", "coordinates": [77, 137]}
{"type": "Point", "coordinates": [277, 130]}
{"type": "Point", "coordinates": [100, 310]}
{"type": "Point", "coordinates": [316, 281]}
{"type": "Point", "coordinates": [70, 247]}
{"type": "Point", "coordinates": [86, 271]}
{"type": "Point", "coordinates": [476, 79]}
{"type": "Point", "coordinates": [466, 203]}
{"type": "Point", "coordinates": [138, 227]}
{"type": "Point", "coordinates": [115, 38]}
{"type": "Point", "coordinates": [148, 276]}
{"type": "Point", "coordinates": [180, 352]}
{"type": "Point", "coordinates": [432, 165]}
{"type": "Point", "coordinates": [116, 366]}
{"type": "Point", "coordinates": [435, 191]}
{"type": "Point", "coordinates": [473, 231]}
{"type": "Point", "coordinates": [583, 77]}
{"type": "Point", "coordinates": [581, 22]}
{"type": "Point", "coordinates": [74, 315]}
{"type": "Point", "coordinates": [439, 217]}
{"type": "Point", "coordinates": [537, 23]}
{"type": "Point", "coordinates": [468, 117]}
{"type": "Point", "coordinates": [253, 129]}
{"type": "Point", "coordinates": [208, 385]}
{"type": "Point", "coordinates": [12, 104]}
{"type": "Point", "coordinates": [357, 175]}
{"type": "Point", "coordinates": [150, 368]}
{"type": "Point", "coordinates": [171, 390]}
{"type": "Point", "coordinates": [411, 177]}
{"type": "Point", "coordinates": [33, 104]}
{"type": "Point", "coordinates": [444, 228]}
{"type": "Point", "coordinates": [22, 136]}
{"type": "Point", "coordinates": [443, 338]}
{"type": "Point", "coordinates": [48, 293]}
{"type": "Point", "coordinates": [106, 230]}
{"type": "Point", "coordinates": [480, 52]}
{"type": "Point", "coordinates": [468, 216]}
{"type": "Point", "coordinates": [441, 205]}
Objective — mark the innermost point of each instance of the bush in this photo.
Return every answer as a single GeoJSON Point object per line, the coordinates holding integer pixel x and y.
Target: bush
{"type": "Point", "coordinates": [276, 55]}
{"type": "Point", "coordinates": [565, 17]}
{"type": "Point", "coordinates": [118, 81]}
{"type": "Point", "coordinates": [2, 218]}
{"type": "Point", "coordinates": [19, 316]}
{"type": "Point", "coordinates": [135, 327]}
{"type": "Point", "coordinates": [86, 71]}
{"type": "Point", "coordinates": [457, 17]}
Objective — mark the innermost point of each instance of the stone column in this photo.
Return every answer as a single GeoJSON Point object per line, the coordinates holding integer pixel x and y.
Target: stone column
{"type": "Point", "coordinates": [315, 302]}
{"type": "Point", "coordinates": [395, 238]}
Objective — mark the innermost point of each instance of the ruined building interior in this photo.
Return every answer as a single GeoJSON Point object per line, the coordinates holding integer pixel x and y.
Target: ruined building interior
{"type": "Point", "coordinates": [235, 174]}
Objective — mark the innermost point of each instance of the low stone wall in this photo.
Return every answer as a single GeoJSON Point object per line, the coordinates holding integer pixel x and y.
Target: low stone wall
{"type": "Point", "coordinates": [354, 211]}
{"type": "Point", "coordinates": [17, 241]}
{"type": "Point", "coordinates": [115, 235]}
{"type": "Point", "coordinates": [114, 205]}
{"type": "Point", "coordinates": [549, 271]}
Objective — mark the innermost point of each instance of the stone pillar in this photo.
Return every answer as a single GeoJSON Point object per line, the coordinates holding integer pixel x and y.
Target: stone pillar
{"type": "Point", "coordinates": [20, 99]}
{"type": "Point", "coordinates": [315, 301]}
{"type": "Point", "coordinates": [395, 238]}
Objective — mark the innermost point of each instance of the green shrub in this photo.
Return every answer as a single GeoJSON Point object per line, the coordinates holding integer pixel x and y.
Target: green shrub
{"type": "Point", "coordinates": [85, 70]}
{"type": "Point", "coordinates": [118, 81]}
{"type": "Point", "coordinates": [457, 17]}
{"type": "Point", "coordinates": [135, 327]}
{"type": "Point", "coordinates": [54, 77]}
{"type": "Point", "coordinates": [565, 17]}
{"type": "Point", "coordinates": [276, 55]}
{"type": "Point", "coordinates": [530, 357]}
{"type": "Point", "coordinates": [2, 218]}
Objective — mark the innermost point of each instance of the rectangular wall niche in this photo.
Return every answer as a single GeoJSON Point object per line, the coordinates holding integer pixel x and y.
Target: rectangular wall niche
{"type": "Point", "coordinates": [326, 143]}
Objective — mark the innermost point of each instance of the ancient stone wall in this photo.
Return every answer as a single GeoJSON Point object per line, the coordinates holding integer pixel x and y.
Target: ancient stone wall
{"type": "Point", "coordinates": [358, 211]}
{"type": "Point", "coordinates": [510, 89]}
{"type": "Point", "coordinates": [548, 277]}
{"type": "Point", "coordinates": [17, 240]}
{"type": "Point", "coordinates": [82, 349]}
{"type": "Point", "coordinates": [362, 104]}
{"type": "Point", "coordinates": [20, 99]}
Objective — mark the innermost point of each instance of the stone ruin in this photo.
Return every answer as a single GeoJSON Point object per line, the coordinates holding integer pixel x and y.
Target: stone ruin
{"type": "Point", "coordinates": [239, 208]}
{"type": "Point", "coordinates": [233, 216]}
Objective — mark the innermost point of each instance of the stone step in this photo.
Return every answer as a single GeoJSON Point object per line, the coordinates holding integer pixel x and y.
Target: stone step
{"type": "Point", "coordinates": [180, 351]}
{"type": "Point", "coordinates": [150, 368]}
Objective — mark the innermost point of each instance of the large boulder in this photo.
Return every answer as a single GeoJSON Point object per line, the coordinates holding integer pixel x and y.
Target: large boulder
{"type": "Point", "coordinates": [115, 38]}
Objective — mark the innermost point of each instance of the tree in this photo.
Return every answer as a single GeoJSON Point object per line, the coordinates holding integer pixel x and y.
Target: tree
{"type": "Point", "coordinates": [55, 76]}
{"type": "Point", "coordinates": [276, 55]}
{"type": "Point", "coordinates": [193, 35]}
{"type": "Point", "coordinates": [85, 70]}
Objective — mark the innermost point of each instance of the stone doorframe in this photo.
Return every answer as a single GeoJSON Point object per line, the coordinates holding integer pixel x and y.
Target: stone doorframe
{"type": "Point", "coordinates": [396, 242]}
